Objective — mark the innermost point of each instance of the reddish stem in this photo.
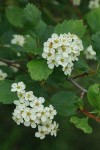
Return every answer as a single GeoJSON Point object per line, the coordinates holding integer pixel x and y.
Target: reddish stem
{"type": "Point", "coordinates": [85, 112]}
{"type": "Point", "coordinates": [84, 74]}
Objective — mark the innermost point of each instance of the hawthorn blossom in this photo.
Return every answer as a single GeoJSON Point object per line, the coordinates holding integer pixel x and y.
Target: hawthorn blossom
{"type": "Point", "coordinates": [31, 112]}
{"type": "Point", "coordinates": [62, 50]}
{"type": "Point", "coordinates": [3, 75]}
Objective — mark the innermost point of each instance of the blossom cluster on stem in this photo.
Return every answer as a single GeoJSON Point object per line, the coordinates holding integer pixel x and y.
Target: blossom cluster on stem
{"type": "Point", "coordinates": [62, 50]}
{"type": "Point", "coordinates": [30, 111]}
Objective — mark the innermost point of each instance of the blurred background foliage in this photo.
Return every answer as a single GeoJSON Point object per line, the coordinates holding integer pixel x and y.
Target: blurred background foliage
{"type": "Point", "coordinates": [13, 137]}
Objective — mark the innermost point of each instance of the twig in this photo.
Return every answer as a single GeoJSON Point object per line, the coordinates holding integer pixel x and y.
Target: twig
{"type": "Point", "coordinates": [85, 112]}
{"type": "Point", "coordinates": [82, 95]}
{"type": "Point", "coordinates": [77, 85]}
{"type": "Point", "coordinates": [84, 74]}
{"type": "Point", "coordinates": [11, 63]}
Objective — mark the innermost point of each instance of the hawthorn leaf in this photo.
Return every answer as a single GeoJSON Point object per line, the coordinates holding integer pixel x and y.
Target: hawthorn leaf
{"type": "Point", "coordinates": [14, 15]}
{"type": "Point", "coordinates": [93, 19]}
{"type": "Point", "coordinates": [6, 96]}
{"type": "Point", "coordinates": [96, 43]}
{"type": "Point", "coordinates": [94, 95]}
{"type": "Point", "coordinates": [81, 124]}
{"type": "Point", "coordinates": [63, 102]}
{"type": "Point", "coordinates": [39, 69]}
{"type": "Point", "coordinates": [73, 26]}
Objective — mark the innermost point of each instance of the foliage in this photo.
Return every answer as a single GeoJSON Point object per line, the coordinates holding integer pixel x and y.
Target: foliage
{"type": "Point", "coordinates": [21, 58]}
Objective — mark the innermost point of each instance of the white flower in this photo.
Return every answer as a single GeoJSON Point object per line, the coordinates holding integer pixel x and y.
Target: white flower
{"type": "Point", "coordinates": [41, 99]}
{"type": "Point", "coordinates": [19, 87]}
{"type": "Point", "coordinates": [50, 111]}
{"type": "Point", "coordinates": [62, 50]}
{"type": "Point", "coordinates": [41, 133]}
{"type": "Point", "coordinates": [29, 96]}
{"type": "Point", "coordinates": [43, 115]}
{"type": "Point", "coordinates": [27, 123]}
{"type": "Point", "coordinates": [33, 124]}
{"type": "Point", "coordinates": [18, 39]}
{"type": "Point", "coordinates": [21, 95]}
{"type": "Point", "coordinates": [36, 104]}
{"type": "Point", "coordinates": [51, 63]}
{"type": "Point", "coordinates": [76, 2]}
{"type": "Point", "coordinates": [94, 4]}
{"type": "Point", "coordinates": [54, 129]}
{"type": "Point", "coordinates": [2, 75]}
{"type": "Point", "coordinates": [17, 120]}
{"type": "Point", "coordinates": [67, 69]}
{"type": "Point", "coordinates": [90, 53]}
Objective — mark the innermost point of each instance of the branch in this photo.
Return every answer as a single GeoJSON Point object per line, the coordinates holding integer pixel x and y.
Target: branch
{"type": "Point", "coordinates": [11, 63]}
{"type": "Point", "coordinates": [77, 85]}
{"type": "Point", "coordinates": [84, 74]}
{"type": "Point", "coordinates": [85, 112]}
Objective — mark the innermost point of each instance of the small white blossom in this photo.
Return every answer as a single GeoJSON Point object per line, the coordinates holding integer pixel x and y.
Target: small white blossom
{"type": "Point", "coordinates": [3, 75]}
{"type": "Point", "coordinates": [29, 96]}
{"type": "Point", "coordinates": [90, 53]}
{"type": "Point", "coordinates": [94, 4]}
{"type": "Point", "coordinates": [76, 2]}
{"type": "Point", "coordinates": [54, 129]}
{"type": "Point", "coordinates": [19, 87]}
{"type": "Point", "coordinates": [18, 39]}
{"type": "Point", "coordinates": [41, 133]}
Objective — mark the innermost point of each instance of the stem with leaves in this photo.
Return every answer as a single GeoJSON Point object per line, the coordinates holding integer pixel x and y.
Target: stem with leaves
{"type": "Point", "coordinates": [83, 92]}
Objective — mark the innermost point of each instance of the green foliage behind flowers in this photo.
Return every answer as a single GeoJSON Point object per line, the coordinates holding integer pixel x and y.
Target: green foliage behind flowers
{"type": "Point", "coordinates": [49, 54]}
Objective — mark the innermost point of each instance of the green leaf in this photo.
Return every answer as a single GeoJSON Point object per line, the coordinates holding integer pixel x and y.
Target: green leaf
{"type": "Point", "coordinates": [79, 103]}
{"type": "Point", "coordinates": [94, 95]}
{"type": "Point", "coordinates": [49, 31]}
{"type": "Point", "coordinates": [81, 124]}
{"type": "Point", "coordinates": [93, 19]}
{"type": "Point", "coordinates": [72, 26]}
{"type": "Point", "coordinates": [64, 103]}
{"type": "Point", "coordinates": [96, 43]}
{"type": "Point", "coordinates": [38, 69]}
{"type": "Point", "coordinates": [6, 96]}
{"type": "Point", "coordinates": [81, 65]}
{"type": "Point", "coordinates": [14, 15]}
{"type": "Point", "coordinates": [17, 48]}
{"type": "Point", "coordinates": [39, 29]}
{"type": "Point", "coordinates": [86, 41]}
{"type": "Point", "coordinates": [30, 46]}
{"type": "Point", "coordinates": [32, 14]}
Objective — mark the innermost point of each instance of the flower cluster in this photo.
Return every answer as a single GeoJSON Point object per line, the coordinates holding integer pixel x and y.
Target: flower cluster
{"type": "Point", "coordinates": [18, 39]}
{"type": "Point", "coordinates": [94, 4]}
{"type": "Point", "coordinates": [2, 75]}
{"type": "Point", "coordinates": [62, 51]}
{"type": "Point", "coordinates": [76, 2]}
{"type": "Point", "coordinates": [90, 53]}
{"type": "Point", "coordinates": [30, 111]}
